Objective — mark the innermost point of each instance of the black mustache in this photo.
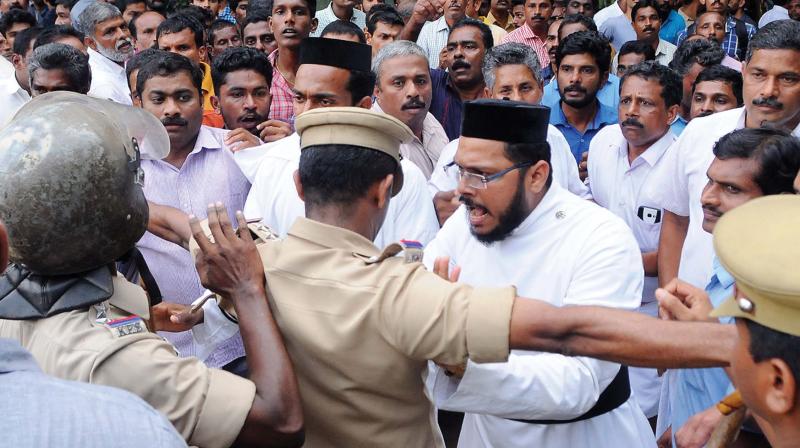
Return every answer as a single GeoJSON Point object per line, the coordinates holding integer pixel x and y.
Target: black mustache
{"type": "Point", "coordinates": [177, 121]}
{"type": "Point", "coordinates": [413, 103]}
{"type": "Point", "coordinates": [537, 17]}
{"type": "Point", "coordinates": [632, 122]}
{"type": "Point", "coordinates": [705, 114]}
{"type": "Point", "coordinates": [575, 88]}
{"type": "Point", "coordinates": [713, 210]}
{"type": "Point", "coordinates": [770, 101]}
{"type": "Point", "coordinates": [460, 64]}
{"type": "Point", "coordinates": [649, 28]}
{"type": "Point", "coordinates": [254, 116]}
{"type": "Point", "coordinates": [466, 201]}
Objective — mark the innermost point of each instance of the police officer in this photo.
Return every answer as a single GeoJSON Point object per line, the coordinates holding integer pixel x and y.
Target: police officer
{"type": "Point", "coordinates": [361, 323]}
{"type": "Point", "coordinates": [73, 203]}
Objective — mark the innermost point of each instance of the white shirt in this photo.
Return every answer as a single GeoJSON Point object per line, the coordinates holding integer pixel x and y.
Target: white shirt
{"type": "Point", "coordinates": [12, 97]}
{"type": "Point", "coordinates": [615, 184]}
{"type": "Point", "coordinates": [108, 79]}
{"type": "Point", "coordinates": [568, 251]}
{"type": "Point", "coordinates": [562, 163]}
{"type": "Point", "coordinates": [432, 38]}
{"type": "Point", "coordinates": [677, 184]}
{"type": "Point", "coordinates": [273, 196]}
{"type": "Point", "coordinates": [612, 10]}
{"type": "Point", "coordinates": [326, 16]}
{"type": "Point", "coordinates": [775, 13]}
{"type": "Point", "coordinates": [424, 153]}
{"type": "Point", "coordinates": [664, 54]}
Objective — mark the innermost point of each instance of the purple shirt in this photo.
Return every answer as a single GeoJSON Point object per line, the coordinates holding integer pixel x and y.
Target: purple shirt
{"type": "Point", "coordinates": [209, 174]}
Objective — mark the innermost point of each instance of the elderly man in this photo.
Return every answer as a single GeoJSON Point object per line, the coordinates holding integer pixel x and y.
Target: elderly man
{"type": "Point", "coordinates": [110, 45]}
{"type": "Point", "coordinates": [55, 67]}
{"type": "Point", "coordinates": [403, 90]}
{"type": "Point", "coordinates": [512, 72]}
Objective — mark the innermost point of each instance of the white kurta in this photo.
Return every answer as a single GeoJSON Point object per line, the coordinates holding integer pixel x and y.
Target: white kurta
{"type": "Point", "coordinates": [569, 251]}
{"type": "Point", "coordinates": [273, 196]}
{"type": "Point", "coordinates": [108, 79]}
{"type": "Point", "coordinates": [562, 162]}
{"type": "Point", "coordinates": [616, 184]}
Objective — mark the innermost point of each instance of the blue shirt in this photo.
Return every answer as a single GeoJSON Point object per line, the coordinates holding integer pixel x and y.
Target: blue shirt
{"type": "Point", "coordinates": [671, 27]}
{"type": "Point", "coordinates": [678, 125]}
{"type": "Point", "coordinates": [731, 42]}
{"type": "Point", "coordinates": [446, 104]}
{"type": "Point", "coordinates": [579, 143]}
{"type": "Point", "coordinates": [608, 94]}
{"type": "Point", "coordinates": [695, 390]}
{"type": "Point", "coordinates": [227, 15]}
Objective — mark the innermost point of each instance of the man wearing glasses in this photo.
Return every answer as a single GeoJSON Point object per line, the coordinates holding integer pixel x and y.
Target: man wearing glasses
{"type": "Point", "coordinates": [516, 226]}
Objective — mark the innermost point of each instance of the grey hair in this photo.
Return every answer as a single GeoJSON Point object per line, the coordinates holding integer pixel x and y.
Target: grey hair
{"type": "Point", "coordinates": [64, 57]}
{"type": "Point", "coordinates": [95, 13]}
{"type": "Point", "coordinates": [777, 35]}
{"type": "Point", "coordinates": [393, 50]}
{"type": "Point", "coordinates": [511, 53]}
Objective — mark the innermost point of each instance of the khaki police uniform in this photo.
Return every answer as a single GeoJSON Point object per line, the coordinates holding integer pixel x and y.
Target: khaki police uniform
{"type": "Point", "coordinates": [360, 324]}
{"type": "Point", "coordinates": [109, 344]}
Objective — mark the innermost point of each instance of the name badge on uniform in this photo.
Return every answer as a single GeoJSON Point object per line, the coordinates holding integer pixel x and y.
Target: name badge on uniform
{"type": "Point", "coordinates": [649, 215]}
{"type": "Point", "coordinates": [126, 326]}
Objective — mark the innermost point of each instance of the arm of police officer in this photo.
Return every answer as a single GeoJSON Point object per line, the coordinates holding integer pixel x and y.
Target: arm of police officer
{"type": "Point", "coordinates": [232, 268]}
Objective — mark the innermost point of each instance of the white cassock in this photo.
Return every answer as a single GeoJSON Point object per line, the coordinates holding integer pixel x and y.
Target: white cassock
{"type": "Point", "coordinates": [273, 197]}
{"type": "Point", "coordinates": [568, 251]}
{"type": "Point", "coordinates": [562, 163]}
{"type": "Point", "coordinates": [616, 184]}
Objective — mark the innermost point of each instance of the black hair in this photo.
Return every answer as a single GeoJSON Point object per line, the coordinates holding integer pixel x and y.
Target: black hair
{"type": "Point", "coordinates": [169, 64]}
{"type": "Point", "coordinates": [22, 44]}
{"type": "Point", "coordinates": [310, 4]}
{"type": "Point", "coordinates": [69, 4]}
{"type": "Point", "coordinates": [583, 42]}
{"type": "Point", "coordinates": [637, 47]}
{"type": "Point", "coordinates": [387, 15]}
{"type": "Point", "coordinates": [577, 18]}
{"type": "Point", "coordinates": [341, 174]}
{"type": "Point", "coordinates": [670, 82]}
{"type": "Point", "coordinates": [56, 32]}
{"type": "Point", "coordinates": [71, 61]}
{"type": "Point", "coordinates": [255, 5]}
{"type": "Point", "coordinates": [239, 58]}
{"type": "Point", "coordinates": [132, 23]}
{"type": "Point", "coordinates": [699, 51]}
{"type": "Point", "coordinates": [766, 343]}
{"type": "Point", "coordinates": [201, 15]}
{"type": "Point", "coordinates": [14, 16]}
{"type": "Point", "coordinates": [347, 28]}
{"type": "Point", "coordinates": [218, 25]}
{"type": "Point", "coordinates": [486, 33]}
{"type": "Point", "coordinates": [723, 74]}
{"type": "Point", "coordinates": [530, 152]}
{"type": "Point", "coordinates": [122, 4]}
{"type": "Point", "coordinates": [777, 35]}
{"type": "Point", "coordinates": [178, 23]}
{"type": "Point", "coordinates": [776, 151]}
{"type": "Point", "coordinates": [139, 60]}
{"type": "Point", "coordinates": [517, 3]}
{"type": "Point", "coordinates": [360, 84]}
{"type": "Point", "coordinates": [255, 16]}
{"type": "Point", "coordinates": [641, 4]}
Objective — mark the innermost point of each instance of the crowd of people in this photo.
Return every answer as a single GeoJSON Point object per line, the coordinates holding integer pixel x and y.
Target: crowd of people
{"type": "Point", "coordinates": [463, 223]}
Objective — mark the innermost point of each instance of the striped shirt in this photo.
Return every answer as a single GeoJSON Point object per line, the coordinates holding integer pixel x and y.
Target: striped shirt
{"type": "Point", "coordinates": [209, 174]}
{"type": "Point", "coordinates": [326, 16]}
{"type": "Point", "coordinates": [281, 107]}
{"type": "Point", "coordinates": [525, 35]}
{"type": "Point", "coordinates": [731, 42]}
{"type": "Point", "coordinates": [432, 38]}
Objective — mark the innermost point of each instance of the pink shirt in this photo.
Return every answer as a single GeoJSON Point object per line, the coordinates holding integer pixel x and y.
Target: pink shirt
{"type": "Point", "coordinates": [525, 35]}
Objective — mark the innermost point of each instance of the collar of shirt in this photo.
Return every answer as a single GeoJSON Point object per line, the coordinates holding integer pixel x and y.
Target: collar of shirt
{"type": "Point", "coordinates": [440, 25]}
{"type": "Point", "coordinates": [329, 10]}
{"type": "Point", "coordinates": [652, 154]}
{"type": "Point", "coordinates": [14, 358]}
{"type": "Point", "coordinates": [724, 278]}
{"type": "Point", "coordinates": [662, 48]}
{"type": "Point", "coordinates": [206, 140]}
{"type": "Point", "coordinates": [332, 237]}
{"type": "Point", "coordinates": [492, 20]}
{"type": "Point", "coordinates": [604, 116]}
{"type": "Point", "coordinates": [105, 64]}
{"type": "Point", "coordinates": [227, 15]}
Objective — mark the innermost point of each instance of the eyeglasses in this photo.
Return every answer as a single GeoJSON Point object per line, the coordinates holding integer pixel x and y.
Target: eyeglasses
{"type": "Point", "coordinates": [479, 181]}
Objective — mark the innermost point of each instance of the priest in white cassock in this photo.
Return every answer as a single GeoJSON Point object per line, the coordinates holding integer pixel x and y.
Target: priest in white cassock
{"type": "Point", "coordinates": [516, 226]}
{"type": "Point", "coordinates": [331, 73]}
{"type": "Point", "coordinates": [511, 71]}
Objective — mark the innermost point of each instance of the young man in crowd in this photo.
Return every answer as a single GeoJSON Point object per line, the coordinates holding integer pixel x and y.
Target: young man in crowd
{"type": "Point", "coordinates": [383, 28]}
{"type": "Point", "coordinates": [339, 10]}
{"type": "Point", "coordinates": [110, 46]}
{"type": "Point", "coordinates": [621, 157]}
{"type": "Point", "coordinates": [403, 90]}
{"type": "Point", "coordinates": [716, 89]}
{"type": "Point", "coordinates": [15, 89]}
{"type": "Point", "coordinates": [143, 29]}
{"type": "Point", "coordinates": [221, 36]}
{"type": "Point", "coordinates": [632, 53]}
{"type": "Point", "coordinates": [582, 60]}
{"type": "Point", "coordinates": [690, 59]}
{"type": "Point", "coordinates": [63, 8]}
{"type": "Point", "coordinates": [131, 9]}
{"type": "Point", "coordinates": [647, 24]}
{"type": "Point", "coordinates": [256, 32]}
{"type": "Point", "coordinates": [534, 32]}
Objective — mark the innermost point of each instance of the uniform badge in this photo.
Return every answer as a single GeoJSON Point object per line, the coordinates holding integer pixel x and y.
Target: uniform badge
{"type": "Point", "coordinates": [126, 326]}
{"type": "Point", "coordinates": [412, 251]}
{"type": "Point", "coordinates": [649, 215]}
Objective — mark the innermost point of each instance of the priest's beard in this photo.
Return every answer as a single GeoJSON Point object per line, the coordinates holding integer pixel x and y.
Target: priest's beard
{"type": "Point", "coordinates": [507, 221]}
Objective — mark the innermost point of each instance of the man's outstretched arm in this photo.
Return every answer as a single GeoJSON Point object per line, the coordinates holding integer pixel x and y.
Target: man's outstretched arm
{"type": "Point", "coordinates": [625, 337]}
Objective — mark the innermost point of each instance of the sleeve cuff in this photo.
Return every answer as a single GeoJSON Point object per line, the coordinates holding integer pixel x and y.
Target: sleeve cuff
{"type": "Point", "coordinates": [228, 402]}
{"type": "Point", "coordinates": [488, 323]}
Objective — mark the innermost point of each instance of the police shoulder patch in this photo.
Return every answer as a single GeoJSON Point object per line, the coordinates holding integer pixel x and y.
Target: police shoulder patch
{"type": "Point", "coordinates": [125, 326]}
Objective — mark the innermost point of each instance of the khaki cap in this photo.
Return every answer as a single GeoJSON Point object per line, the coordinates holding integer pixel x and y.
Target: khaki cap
{"type": "Point", "coordinates": [358, 127]}
{"type": "Point", "coordinates": [758, 243]}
